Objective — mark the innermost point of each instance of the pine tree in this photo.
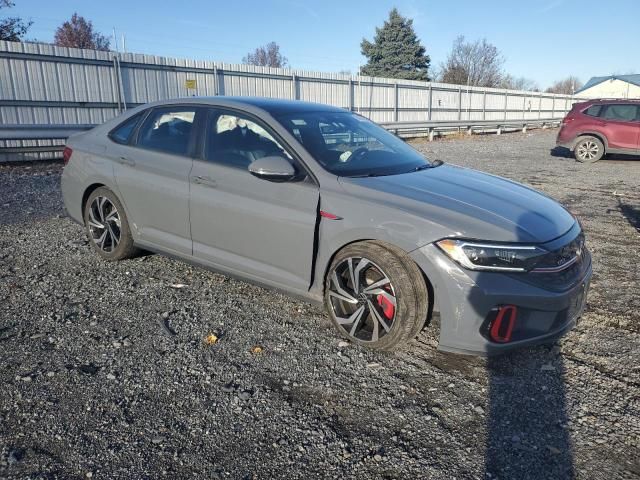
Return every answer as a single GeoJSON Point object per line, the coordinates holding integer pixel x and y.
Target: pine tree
{"type": "Point", "coordinates": [396, 51]}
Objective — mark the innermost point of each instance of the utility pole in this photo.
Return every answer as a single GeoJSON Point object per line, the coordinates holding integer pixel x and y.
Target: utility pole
{"type": "Point", "coordinates": [115, 39]}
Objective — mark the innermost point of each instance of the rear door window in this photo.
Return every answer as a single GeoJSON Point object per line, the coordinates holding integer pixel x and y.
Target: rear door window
{"type": "Point", "coordinates": [621, 112]}
{"type": "Point", "coordinates": [168, 130]}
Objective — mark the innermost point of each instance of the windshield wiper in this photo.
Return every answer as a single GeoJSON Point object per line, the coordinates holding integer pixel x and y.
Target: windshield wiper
{"type": "Point", "coordinates": [369, 175]}
{"type": "Point", "coordinates": [434, 164]}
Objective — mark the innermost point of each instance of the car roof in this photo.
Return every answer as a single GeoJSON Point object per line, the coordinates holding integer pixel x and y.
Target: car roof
{"type": "Point", "coordinates": [610, 100]}
{"type": "Point", "coordinates": [274, 106]}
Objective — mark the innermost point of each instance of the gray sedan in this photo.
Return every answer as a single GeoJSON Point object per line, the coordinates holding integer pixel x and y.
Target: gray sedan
{"type": "Point", "coordinates": [324, 204]}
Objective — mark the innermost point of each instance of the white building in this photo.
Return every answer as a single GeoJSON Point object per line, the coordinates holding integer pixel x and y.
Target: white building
{"type": "Point", "coordinates": [613, 86]}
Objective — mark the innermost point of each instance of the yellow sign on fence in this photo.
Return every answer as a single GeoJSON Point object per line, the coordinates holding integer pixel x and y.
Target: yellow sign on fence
{"type": "Point", "coordinates": [190, 84]}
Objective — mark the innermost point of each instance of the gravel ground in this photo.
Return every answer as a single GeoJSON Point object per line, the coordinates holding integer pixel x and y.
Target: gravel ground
{"type": "Point", "coordinates": [106, 373]}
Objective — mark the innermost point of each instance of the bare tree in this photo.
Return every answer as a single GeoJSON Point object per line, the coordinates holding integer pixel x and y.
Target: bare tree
{"type": "Point", "coordinates": [12, 29]}
{"type": "Point", "coordinates": [519, 83]}
{"type": "Point", "coordinates": [79, 33]}
{"type": "Point", "coordinates": [568, 86]}
{"type": "Point", "coordinates": [266, 56]}
{"type": "Point", "coordinates": [476, 63]}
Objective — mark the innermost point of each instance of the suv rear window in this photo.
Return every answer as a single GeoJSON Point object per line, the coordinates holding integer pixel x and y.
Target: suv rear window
{"type": "Point", "coordinates": [593, 110]}
{"type": "Point", "coordinates": [622, 112]}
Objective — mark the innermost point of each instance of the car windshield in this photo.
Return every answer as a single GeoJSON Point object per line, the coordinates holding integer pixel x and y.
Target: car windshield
{"type": "Point", "coordinates": [349, 145]}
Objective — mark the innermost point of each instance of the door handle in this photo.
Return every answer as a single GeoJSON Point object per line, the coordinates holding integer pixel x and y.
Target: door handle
{"type": "Point", "coordinates": [126, 161]}
{"type": "Point", "coordinates": [204, 180]}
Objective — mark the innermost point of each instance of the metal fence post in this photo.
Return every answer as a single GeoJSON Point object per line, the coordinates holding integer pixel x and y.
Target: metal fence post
{"type": "Point", "coordinates": [395, 102]}
{"type": "Point", "coordinates": [484, 104]}
{"type": "Point", "coordinates": [216, 89]}
{"type": "Point", "coordinates": [553, 107]}
{"type": "Point", "coordinates": [430, 102]}
{"type": "Point", "coordinates": [117, 83]}
{"type": "Point", "coordinates": [540, 106]}
{"type": "Point", "coordinates": [350, 94]}
{"type": "Point", "coordinates": [506, 100]}
{"type": "Point", "coordinates": [459, 103]}
{"type": "Point", "coordinates": [294, 86]}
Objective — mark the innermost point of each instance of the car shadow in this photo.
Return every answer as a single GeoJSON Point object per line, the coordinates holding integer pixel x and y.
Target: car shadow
{"type": "Point", "coordinates": [527, 435]}
{"type": "Point", "coordinates": [527, 419]}
{"type": "Point", "coordinates": [561, 152]}
{"type": "Point", "coordinates": [630, 213]}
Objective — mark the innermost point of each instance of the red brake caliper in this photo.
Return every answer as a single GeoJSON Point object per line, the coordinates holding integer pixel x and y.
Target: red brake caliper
{"type": "Point", "coordinates": [387, 307]}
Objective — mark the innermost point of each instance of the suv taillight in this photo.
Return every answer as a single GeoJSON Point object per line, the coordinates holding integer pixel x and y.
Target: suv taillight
{"type": "Point", "coordinates": [66, 154]}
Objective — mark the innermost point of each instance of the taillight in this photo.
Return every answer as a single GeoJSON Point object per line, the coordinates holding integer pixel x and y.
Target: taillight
{"type": "Point", "coordinates": [66, 154]}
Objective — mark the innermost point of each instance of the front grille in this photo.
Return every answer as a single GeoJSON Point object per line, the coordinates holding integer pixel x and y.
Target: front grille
{"type": "Point", "coordinates": [562, 268]}
{"type": "Point", "coordinates": [562, 258]}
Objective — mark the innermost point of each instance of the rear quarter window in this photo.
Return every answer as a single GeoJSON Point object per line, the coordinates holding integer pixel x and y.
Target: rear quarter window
{"type": "Point", "coordinates": [593, 110]}
{"type": "Point", "coordinates": [122, 133]}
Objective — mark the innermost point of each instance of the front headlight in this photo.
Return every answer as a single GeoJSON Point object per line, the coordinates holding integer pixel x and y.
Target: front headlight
{"type": "Point", "coordinates": [492, 257]}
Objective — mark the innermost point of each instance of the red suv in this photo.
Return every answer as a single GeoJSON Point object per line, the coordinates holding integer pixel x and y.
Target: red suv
{"type": "Point", "coordinates": [597, 127]}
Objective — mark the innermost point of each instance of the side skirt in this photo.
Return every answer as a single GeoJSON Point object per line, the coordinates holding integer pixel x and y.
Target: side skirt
{"type": "Point", "coordinates": [304, 295]}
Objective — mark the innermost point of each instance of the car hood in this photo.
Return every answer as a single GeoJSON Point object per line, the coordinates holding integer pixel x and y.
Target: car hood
{"type": "Point", "coordinates": [461, 202]}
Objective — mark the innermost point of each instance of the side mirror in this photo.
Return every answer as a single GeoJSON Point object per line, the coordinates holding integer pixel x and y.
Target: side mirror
{"type": "Point", "coordinates": [273, 168]}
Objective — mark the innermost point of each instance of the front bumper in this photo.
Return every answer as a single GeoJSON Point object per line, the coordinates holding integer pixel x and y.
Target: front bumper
{"type": "Point", "coordinates": [466, 300]}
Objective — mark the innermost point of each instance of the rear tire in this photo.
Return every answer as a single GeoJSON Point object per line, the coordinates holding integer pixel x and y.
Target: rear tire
{"type": "Point", "coordinates": [588, 149]}
{"type": "Point", "coordinates": [107, 227]}
{"type": "Point", "coordinates": [376, 295]}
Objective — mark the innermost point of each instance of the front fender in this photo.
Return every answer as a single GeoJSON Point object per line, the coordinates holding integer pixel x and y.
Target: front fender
{"type": "Point", "coordinates": [360, 220]}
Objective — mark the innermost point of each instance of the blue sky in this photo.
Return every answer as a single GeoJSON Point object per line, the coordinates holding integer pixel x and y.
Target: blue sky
{"type": "Point", "coordinates": [543, 40]}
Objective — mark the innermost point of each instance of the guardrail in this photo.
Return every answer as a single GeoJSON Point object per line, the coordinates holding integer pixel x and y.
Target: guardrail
{"type": "Point", "coordinates": [62, 132]}
{"type": "Point", "coordinates": [432, 128]}
{"type": "Point", "coordinates": [37, 132]}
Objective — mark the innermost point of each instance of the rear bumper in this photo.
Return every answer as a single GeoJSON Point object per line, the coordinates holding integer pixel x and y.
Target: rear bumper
{"type": "Point", "coordinates": [466, 300]}
{"type": "Point", "coordinates": [564, 140]}
{"type": "Point", "coordinates": [567, 145]}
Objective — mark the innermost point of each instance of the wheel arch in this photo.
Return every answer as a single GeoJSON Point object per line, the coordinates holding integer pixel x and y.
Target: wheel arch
{"type": "Point", "coordinates": [88, 191]}
{"type": "Point", "coordinates": [598, 135]}
{"type": "Point", "coordinates": [389, 246]}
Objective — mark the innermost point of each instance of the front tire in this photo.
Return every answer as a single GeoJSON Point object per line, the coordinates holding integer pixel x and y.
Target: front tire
{"type": "Point", "coordinates": [107, 227]}
{"type": "Point", "coordinates": [589, 149]}
{"type": "Point", "coordinates": [376, 296]}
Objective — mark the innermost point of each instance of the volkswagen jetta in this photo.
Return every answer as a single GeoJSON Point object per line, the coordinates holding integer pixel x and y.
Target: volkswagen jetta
{"type": "Point", "coordinates": [324, 204]}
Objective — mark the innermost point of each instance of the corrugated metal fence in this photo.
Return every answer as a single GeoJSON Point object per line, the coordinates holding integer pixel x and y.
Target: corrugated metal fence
{"type": "Point", "coordinates": [44, 84]}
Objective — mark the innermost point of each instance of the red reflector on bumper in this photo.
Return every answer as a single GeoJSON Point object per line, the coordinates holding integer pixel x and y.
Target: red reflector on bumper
{"type": "Point", "coordinates": [502, 326]}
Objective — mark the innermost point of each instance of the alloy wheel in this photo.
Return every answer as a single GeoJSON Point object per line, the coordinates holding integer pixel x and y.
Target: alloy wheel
{"type": "Point", "coordinates": [362, 298]}
{"type": "Point", "coordinates": [588, 150]}
{"type": "Point", "coordinates": [104, 224]}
